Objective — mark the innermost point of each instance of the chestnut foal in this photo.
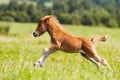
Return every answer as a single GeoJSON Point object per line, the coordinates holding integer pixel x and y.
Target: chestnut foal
{"type": "Point", "coordinates": [62, 40]}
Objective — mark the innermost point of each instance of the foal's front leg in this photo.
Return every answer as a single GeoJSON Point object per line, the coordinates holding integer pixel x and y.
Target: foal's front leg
{"type": "Point", "coordinates": [46, 52]}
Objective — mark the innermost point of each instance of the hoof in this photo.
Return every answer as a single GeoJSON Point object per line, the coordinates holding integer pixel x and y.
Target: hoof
{"type": "Point", "coordinates": [37, 64]}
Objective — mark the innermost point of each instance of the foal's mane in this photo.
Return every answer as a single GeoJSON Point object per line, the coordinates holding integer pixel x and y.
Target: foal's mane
{"type": "Point", "coordinates": [56, 21]}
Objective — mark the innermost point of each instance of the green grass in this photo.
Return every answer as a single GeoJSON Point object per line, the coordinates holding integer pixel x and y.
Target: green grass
{"type": "Point", "coordinates": [19, 50]}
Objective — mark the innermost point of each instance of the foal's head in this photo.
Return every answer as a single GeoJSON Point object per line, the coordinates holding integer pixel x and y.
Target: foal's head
{"type": "Point", "coordinates": [42, 26]}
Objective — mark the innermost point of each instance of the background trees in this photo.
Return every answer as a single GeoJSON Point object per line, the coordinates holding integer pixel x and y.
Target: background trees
{"type": "Point", "coordinates": [84, 12]}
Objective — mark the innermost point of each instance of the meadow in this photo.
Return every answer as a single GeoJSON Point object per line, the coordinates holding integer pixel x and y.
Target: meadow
{"type": "Point", "coordinates": [19, 50]}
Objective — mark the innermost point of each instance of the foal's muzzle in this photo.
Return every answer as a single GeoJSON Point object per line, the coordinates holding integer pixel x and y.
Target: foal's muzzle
{"type": "Point", "coordinates": [35, 34]}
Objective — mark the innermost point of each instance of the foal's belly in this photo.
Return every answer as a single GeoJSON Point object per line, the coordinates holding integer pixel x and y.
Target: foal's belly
{"type": "Point", "coordinates": [70, 47]}
{"type": "Point", "coordinates": [70, 51]}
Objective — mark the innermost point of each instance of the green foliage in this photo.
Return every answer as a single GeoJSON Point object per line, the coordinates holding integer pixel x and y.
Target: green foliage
{"type": "Point", "coordinates": [84, 12]}
{"type": "Point", "coordinates": [109, 22]}
{"type": "Point", "coordinates": [91, 12]}
{"type": "Point", "coordinates": [88, 20]}
{"type": "Point", "coordinates": [69, 19]}
{"type": "Point", "coordinates": [20, 12]}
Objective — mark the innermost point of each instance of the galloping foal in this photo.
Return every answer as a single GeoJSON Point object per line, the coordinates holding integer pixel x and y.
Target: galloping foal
{"type": "Point", "coordinates": [62, 40]}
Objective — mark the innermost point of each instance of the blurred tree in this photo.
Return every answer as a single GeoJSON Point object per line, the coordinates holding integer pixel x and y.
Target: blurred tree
{"type": "Point", "coordinates": [60, 6]}
{"type": "Point", "coordinates": [13, 5]}
{"type": "Point", "coordinates": [3, 7]}
{"type": "Point", "coordinates": [88, 20]}
{"type": "Point", "coordinates": [86, 12]}
{"type": "Point", "coordinates": [23, 7]}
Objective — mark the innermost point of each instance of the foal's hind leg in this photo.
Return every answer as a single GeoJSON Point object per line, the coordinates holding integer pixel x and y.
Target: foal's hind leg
{"type": "Point", "coordinates": [92, 53]}
{"type": "Point", "coordinates": [90, 59]}
{"type": "Point", "coordinates": [102, 61]}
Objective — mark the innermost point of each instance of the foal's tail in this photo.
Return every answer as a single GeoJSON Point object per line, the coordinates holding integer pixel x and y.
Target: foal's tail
{"type": "Point", "coordinates": [99, 38]}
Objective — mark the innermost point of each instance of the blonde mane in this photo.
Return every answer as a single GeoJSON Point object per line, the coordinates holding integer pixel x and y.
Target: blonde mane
{"type": "Point", "coordinates": [54, 19]}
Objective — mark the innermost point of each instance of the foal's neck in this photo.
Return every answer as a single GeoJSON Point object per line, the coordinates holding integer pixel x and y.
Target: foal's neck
{"type": "Point", "coordinates": [54, 28]}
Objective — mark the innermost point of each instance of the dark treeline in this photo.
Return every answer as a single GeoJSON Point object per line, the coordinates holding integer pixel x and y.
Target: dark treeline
{"type": "Point", "coordinates": [84, 12]}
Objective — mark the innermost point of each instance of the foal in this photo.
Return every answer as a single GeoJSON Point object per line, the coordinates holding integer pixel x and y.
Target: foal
{"type": "Point", "coordinates": [62, 40]}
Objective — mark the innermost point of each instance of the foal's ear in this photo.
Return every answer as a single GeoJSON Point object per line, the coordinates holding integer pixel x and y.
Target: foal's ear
{"type": "Point", "coordinates": [47, 18]}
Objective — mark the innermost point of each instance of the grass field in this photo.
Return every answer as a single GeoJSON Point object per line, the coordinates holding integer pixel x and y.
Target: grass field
{"type": "Point", "coordinates": [19, 50]}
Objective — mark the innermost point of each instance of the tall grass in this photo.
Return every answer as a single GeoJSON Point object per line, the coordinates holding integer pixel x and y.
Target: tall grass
{"type": "Point", "coordinates": [19, 50]}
